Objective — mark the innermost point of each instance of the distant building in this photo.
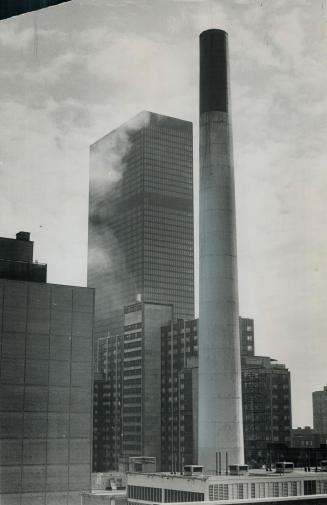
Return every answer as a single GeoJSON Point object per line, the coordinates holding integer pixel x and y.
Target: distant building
{"type": "Point", "coordinates": [307, 438]}
{"type": "Point", "coordinates": [45, 383]}
{"type": "Point", "coordinates": [141, 219]}
{"type": "Point", "coordinates": [16, 259]}
{"type": "Point", "coordinates": [267, 413]}
{"type": "Point", "coordinates": [246, 336]}
{"type": "Point", "coordinates": [319, 402]}
{"type": "Point", "coordinates": [302, 457]}
{"type": "Point", "coordinates": [127, 408]}
{"type": "Point", "coordinates": [179, 394]}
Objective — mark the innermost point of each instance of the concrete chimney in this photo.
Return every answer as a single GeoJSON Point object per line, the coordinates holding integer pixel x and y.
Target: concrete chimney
{"type": "Point", "coordinates": [220, 401]}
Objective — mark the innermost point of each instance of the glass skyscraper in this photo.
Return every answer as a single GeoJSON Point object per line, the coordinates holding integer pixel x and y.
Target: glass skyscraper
{"type": "Point", "coordinates": [141, 219]}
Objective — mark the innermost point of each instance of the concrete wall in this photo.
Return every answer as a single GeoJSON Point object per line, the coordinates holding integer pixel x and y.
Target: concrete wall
{"type": "Point", "coordinates": [45, 392]}
{"type": "Point", "coordinates": [220, 405]}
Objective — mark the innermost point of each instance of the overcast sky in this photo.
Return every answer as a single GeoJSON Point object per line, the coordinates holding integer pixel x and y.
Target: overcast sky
{"type": "Point", "coordinates": [72, 73]}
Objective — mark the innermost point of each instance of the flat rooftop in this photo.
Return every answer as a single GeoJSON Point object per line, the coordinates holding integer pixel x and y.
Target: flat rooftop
{"type": "Point", "coordinates": [252, 474]}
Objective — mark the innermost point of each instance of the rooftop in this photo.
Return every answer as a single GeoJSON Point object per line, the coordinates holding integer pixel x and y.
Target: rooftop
{"type": "Point", "coordinates": [252, 474]}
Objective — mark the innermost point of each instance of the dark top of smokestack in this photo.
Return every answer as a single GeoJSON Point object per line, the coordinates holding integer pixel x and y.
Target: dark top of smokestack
{"type": "Point", "coordinates": [213, 71]}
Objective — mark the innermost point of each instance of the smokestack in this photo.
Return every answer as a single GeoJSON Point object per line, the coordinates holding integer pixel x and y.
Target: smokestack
{"type": "Point", "coordinates": [220, 403]}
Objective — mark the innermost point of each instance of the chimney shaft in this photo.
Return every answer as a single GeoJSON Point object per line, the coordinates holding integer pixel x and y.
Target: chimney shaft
{"type": "Point", "coordinates": [220, 403]}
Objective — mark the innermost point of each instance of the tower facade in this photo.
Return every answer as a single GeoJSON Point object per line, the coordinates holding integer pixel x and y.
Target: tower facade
{"type": "Point", "coordinates": [141, 219]}
{"type": "Point", "coordinates": [128, 410]}
{"type": "Point", "coordinates": [220, 402]}
{"type": "Point", "coordinates": [179, 394]}
{"type": "Point", "coordinates": [267, 407]}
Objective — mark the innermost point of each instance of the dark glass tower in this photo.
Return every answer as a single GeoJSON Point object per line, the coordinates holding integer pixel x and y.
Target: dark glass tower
{"type": "Point", "coordinates": [141, 218]}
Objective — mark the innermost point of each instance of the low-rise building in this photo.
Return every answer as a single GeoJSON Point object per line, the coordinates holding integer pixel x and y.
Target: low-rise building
{"type": "Point", "coordinates": [258, 485]}
{"type": "Point", "coordinates": [307, 438]}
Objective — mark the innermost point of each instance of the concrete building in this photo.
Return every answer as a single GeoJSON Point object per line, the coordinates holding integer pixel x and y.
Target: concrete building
{"type": "Point", "coordinates": [307, 438]}
{"type": "Point", "coordinates": [220, 402]}
{"type": "Point", "coordinates": [259, 486]}
{"type": "Point", "coordinates": [319, 402]}
{"type": "Point", "coordinates": [141, 219]}
{"type": "Point", "coordinates": [131, 412]}
{"type": "Point", "coordinates": [45, 386]}
{"type": "Point", "coordinates": [179, 394]}
{"type": "Point", "coordinates": [267, 411]}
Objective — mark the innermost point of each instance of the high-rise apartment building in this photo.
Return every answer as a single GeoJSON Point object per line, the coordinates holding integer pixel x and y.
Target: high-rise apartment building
{"type": "Point", "coordinates": [267, 413]}
{"type": "Point", "coordinates": [127, 410]}
{"type": "Point", "coordinates": [266, 396]}
{"type": "Point", "coordinates": [107, 404]}
{"type": "Point", "coordinates": [179, 394]}
{"type": "Point", "coordinates": [45, 383]}
{"type": "Point", "coordinates": [319, 403]}
{"type": "Point", "coordinates": [141, 219]}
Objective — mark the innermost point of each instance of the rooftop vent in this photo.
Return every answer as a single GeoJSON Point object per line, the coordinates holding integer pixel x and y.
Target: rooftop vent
{"type": "Point", "coordinates": [238, 469]}
{"type": "Point", "coordinates": [193, 470]}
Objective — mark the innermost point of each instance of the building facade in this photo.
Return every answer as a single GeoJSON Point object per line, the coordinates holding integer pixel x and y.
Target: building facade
{"type": "Point", "coordinates": [319, 403]}
{"type": "Point", "coordinates": [306, 457]}
{"type": "Point", "coordinates": [128, 417]}
{"type": "Point", "coordinates": [168, 488]}
{"type": "Point", "coordinates": [141, 219]}
{"type": "Point", "coordinates": [45, 390]}
{"type": "Point", "coordinates": [307, 438]}
{"type": "Point", "coordinates": [267, 413]}
{"type": "Point", "coordinates": [266, 398]}
{"type": "Point", "coordinates": [179, 398]}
